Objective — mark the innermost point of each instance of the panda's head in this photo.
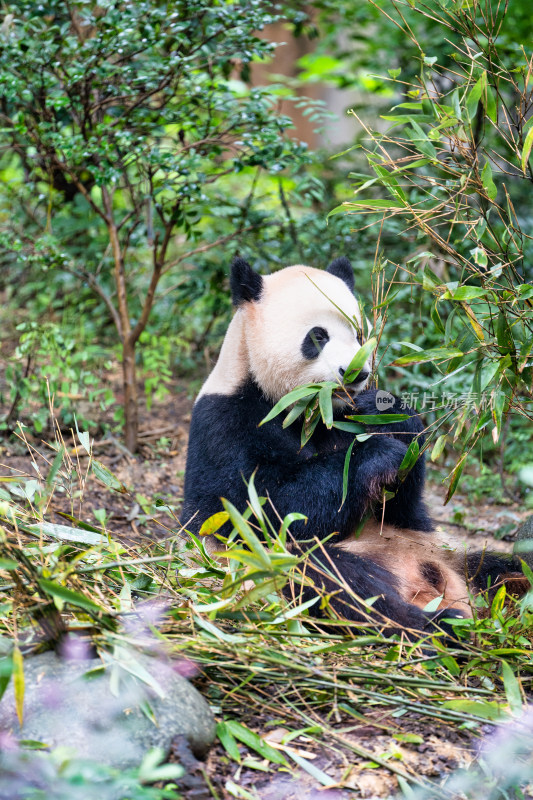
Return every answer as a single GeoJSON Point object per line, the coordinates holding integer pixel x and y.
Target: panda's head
{"type": "Point", "coordinates": [299, 325]}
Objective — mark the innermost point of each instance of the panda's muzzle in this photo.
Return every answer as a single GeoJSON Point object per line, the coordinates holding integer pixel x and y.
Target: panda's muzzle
{"type": "Point", "coordinates": [360, 378]}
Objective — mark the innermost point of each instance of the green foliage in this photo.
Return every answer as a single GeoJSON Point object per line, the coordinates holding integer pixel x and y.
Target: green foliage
{"type": "Point", "coordinates": [227, 616]}
{"type": "Point", "coordinates": [35, 775]}
{"type": "Point", "coordinates": [51, 365]}
{"type": "Point", "coordinates": [454, 167]}
{"type": "Point", "coordinates": [119, 123]}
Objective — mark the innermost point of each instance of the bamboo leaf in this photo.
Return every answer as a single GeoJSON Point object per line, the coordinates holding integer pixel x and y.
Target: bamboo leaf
{"type": "Point", "coordinates": [526, 150]}
{"type": "Point", "coordinates": [228, 741]}
{"type": "Point", "coordinates": [289, 399]}
{"type": "Point", "coordinates": [326, 406]}
{"type": "Point", "coordinates": [345, 473]}
{"type": "Point", "coordinates": [359, 360]}
{"type": "Point", "coordinates": [409, 460]}
{"type": "Point", "coordinates": [315, 772]}
{"type": "Point", "coordinates": [488, 183]}
{"type": "Point", "coordinates": [512, 688]}
{"type": "Point", "coordinates": [378, 419]}
{"type": "Point", "coordinates": [105, 475]}
{"type": "Point", "coordinates": [253, 741]}
{"type": "Point", "coordinates": [491, 711]}
{"type": "Point", "coordinates": [438, 447]}
{"type": "Point", "coordinates": [462, 293]}
{"type": "Point", "coordinates": [66, 534]}
{"type": "Point", "coordinates": [435, 354]}
{"type": "Point", "coordinates": [455, 475]}
{"type": "Point", "coordinates": [69, 596]}
{"type": "Point", "coordinates": [213, 523]}
{"type": "Point", "coordinates": [18, 683]}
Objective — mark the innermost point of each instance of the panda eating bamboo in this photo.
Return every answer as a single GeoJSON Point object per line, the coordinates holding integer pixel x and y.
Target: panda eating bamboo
{"type": "Point", "coordinates": [292, 328]}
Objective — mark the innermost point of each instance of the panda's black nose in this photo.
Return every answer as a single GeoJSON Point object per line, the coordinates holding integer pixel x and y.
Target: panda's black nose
{"type": "Point", "coordinates": [363, 375]}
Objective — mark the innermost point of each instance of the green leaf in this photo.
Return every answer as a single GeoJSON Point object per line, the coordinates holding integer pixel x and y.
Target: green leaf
{"type": "Point", "coordinates": [372, 204]}
{"type": "Point", "coordinates": [378, 419]}
{"type": "Point", "coordinates": [359, 360]}
{"type": "Point", "coordinates": [434, 354]}
{"type": "Point", "coordinates": [491, 711]}
{"type": "Point", "coordinates": [310, 768]}
{"type": "Point", "coordinates": [18, 683]}
{"type": "Point", "coordinates": [512, 688]}
{"type": "Point", "coordinates": [351, 427]}
{"type": "Point", "coordinates": [6, 670]}
{"type": "Point", "coordinates": [474, 96]}
{"type": "Point", "coordinates": [409, 460]}
{"type": "Point", "coordinates": [84, 438]}
{"type": "Point", "coordinates": [526, 150]}
{"type": "Point", "coordinates": [247, 534]}
{"type": "Point", "coordinates": [69, 596]}
{"type": "Point", "coordinates": [289, 399]}
{"type": "Point", "coordinates": [463, 293]}
{"type": "Point", "coordinates": [296, 411]}
{"type": "Point", "coordinates": [434, 604]}
{"type": "Point", "coordinates": [345, 472]}
{"type": "Point", "coordinates": [228, 741]}
{"type": "Point", "coordinates": [105, 475]}
{"type": "Point", "coordinates": [213, 523]}
{"type": "Point", "coordinates": [254, 499]}
{"type": "Point", "coordinates": [66, 534]}
{"type": "Point", "coordinates": [488, 183]}
{"type": "Point", "coordinates": [438, 447]}
{"type": "Point", "coordinates": [254, 742]}
{"type": "Point", "coordinates": [498, 602]}
{"type": "Point", "coordinates": [56, 466]}
{"type": "Point", "coordinates": [85, 526]}
{"type": "Point", "coordinates": [455, 476]}
{"type": "Point", "coordinates": [326, 406]}
{"type": "Point", "coordinates": [294, 516]}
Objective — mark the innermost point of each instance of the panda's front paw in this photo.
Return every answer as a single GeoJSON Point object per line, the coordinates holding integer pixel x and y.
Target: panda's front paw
{"type": "Point", "coordinates": [381, 471]}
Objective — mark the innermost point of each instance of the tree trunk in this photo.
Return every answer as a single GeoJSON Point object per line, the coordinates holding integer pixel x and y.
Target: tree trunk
{"type": "Point", "coordinates": [131, 409]}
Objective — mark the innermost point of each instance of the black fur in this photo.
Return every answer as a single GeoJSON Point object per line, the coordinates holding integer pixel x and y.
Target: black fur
{"type": "Point", "coordinates": [358, 577]}
{"type": "Point", "coordinates": [314, 342]}
{"type": "Point", "coordinates": [342, 268]}
{"type": "Point", "coordinates": [485, 569]}
{"type": "Point", "coordinates": [246, 285]}
{"type": "Point", "coordinates": [226, 446]}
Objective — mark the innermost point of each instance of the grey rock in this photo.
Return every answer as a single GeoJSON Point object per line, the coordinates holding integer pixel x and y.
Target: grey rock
{"type": "Point", "coordinates": [94, 707]}
{"type": "Point", "coordinates": [523, 546]}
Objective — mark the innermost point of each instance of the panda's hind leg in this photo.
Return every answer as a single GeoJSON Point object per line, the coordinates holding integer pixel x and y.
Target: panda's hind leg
{"type": "Point", "coordinates": [349, 579]}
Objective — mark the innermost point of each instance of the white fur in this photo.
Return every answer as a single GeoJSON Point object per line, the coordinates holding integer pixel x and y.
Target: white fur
{"type": "Point", "coordinates": [264, 338]}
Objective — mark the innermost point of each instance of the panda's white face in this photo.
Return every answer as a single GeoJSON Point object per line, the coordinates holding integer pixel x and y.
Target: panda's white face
{"type": "Point", "coordinates": [304, 329]}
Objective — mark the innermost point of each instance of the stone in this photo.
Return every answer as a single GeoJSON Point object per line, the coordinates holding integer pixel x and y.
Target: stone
{"type": "Point", "coordinates": [523, 546]}
{"type": "Point", "coordinates": [93, 706]}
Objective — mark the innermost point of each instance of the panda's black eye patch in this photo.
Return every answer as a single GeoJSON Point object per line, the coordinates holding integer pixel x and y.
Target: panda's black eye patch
{"type": "Point", "coordinates": [314, 342]}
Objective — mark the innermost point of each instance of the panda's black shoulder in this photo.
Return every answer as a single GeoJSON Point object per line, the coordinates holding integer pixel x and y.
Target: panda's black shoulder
{"type": "Point", "coordinates": [230, 424]}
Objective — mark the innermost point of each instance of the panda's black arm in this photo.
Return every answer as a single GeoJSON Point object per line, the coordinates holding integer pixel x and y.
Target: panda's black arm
{"type": "Point", "coordinates": [406, 509]}
{"type": "Point", "coordinates": [314, 486]}
{"type": "Point", "coordinates": [404, 431]}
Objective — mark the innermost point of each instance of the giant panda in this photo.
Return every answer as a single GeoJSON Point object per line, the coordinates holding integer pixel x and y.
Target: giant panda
{"type": "Point", "coordinates": [291, 328]}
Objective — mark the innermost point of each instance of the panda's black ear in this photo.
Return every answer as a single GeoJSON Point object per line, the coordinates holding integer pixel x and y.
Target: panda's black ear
{"type": "Point", "coordinates": [342, 268]}
{"type": "Point", "coordinates": [246, 285]}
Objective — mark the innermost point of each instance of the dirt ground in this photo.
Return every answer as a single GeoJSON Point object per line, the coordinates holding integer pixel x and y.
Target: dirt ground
{"type": "Point", "coordinates": [158, 472]}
